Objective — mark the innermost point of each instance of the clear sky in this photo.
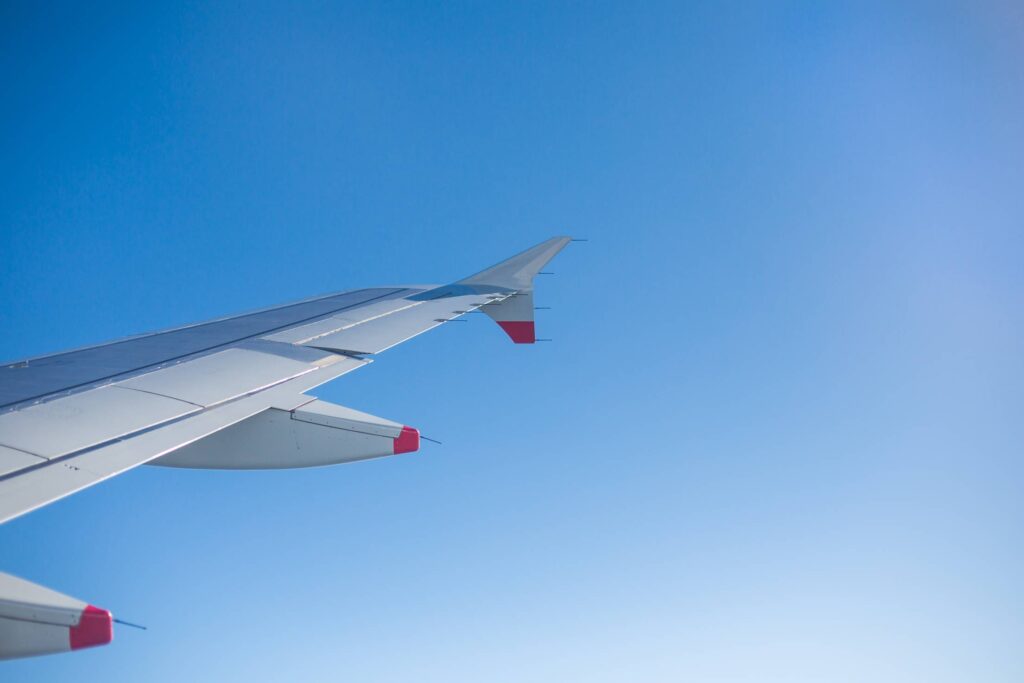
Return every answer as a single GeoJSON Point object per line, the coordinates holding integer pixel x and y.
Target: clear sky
{"type": "Point", "coordinates": [777, 436]}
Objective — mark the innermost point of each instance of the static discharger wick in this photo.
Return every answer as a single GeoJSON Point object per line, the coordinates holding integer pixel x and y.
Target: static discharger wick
{"type": "Point", "coordinates": [128, 623]}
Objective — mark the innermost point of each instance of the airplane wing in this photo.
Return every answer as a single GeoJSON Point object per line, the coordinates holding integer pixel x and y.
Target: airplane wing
{"type": "Point", "coordinates": [225, 394]}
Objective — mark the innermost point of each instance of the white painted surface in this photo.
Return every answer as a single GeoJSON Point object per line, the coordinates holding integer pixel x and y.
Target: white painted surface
{"type": "Point", "coordinates": [342, 417]}
{"type": "Point", "coordinates": [306, 333]}
{"type": "Point", "coordinates": [86, 419]}
{"type": "Point", "coordinates": [317, 434]}
{"type": "Point", "coordinates": [32, 489]}
{"type": "Point", "coordinates": [219, 377]}
{"type": "Point", "coordinates": [12, 460]}
{"type": "Point", "coordinates": [518, 307]}
{"type": "Point", "coordinates": [380, 334]}
{"type": "Point", "coordinates": [518, 272]}
{"type": "Point", "coordinates": [34, 620]}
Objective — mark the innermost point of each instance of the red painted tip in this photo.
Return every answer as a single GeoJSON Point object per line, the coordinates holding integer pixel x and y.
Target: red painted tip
{"type": "Point", "coordinates": [520, 331]}
{"type": "Point", "coordinates": [95, 627]}
{"type": "Point", "coordinates": [408, 441]}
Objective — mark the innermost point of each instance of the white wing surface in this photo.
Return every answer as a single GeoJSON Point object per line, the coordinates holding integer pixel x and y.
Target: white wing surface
{"type": "Point", "coordinates": [227, 394]}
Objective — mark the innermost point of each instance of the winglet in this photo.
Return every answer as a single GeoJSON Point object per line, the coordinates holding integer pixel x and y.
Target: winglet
{"type": "Point", "coordinates": [515, 313]}
{"type": "Point", "coordinates": [515, 316]}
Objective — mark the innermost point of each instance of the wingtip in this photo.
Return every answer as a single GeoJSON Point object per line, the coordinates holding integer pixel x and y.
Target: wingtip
{"type": "Point", "coordinates": [517, 272]}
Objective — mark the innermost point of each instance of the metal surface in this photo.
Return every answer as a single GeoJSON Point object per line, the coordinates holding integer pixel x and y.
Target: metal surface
{"type": "Point", "coordinates": [219, 377]}
{"type": "Point", "coordinates": [341, 417]}
{"type": "Point", "coordinates": [35, 620]}
{"type": "Point", "coordinates": [518, 272]}
{"type": "Point", "coordinates": [37, 378]}
{"type": "Point", "coordinates": [68, 424]}
{"type": "Point", "coordinates": [305, 333]}
{"type": "Point", "coordinates": [225, 393]}
{"type": "Point", "coordinates": [316, 434]}
{"type": "Point", "coordinates": [32, 488]}
{"type": "Point", "coordinates": [380, 334]}
{"type": "Point", "coordinates": [12, 460]}
{"type": "Point", "coordinates": [21, 599]}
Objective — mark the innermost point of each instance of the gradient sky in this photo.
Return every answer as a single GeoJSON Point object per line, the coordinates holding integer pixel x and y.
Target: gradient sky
{"type": "Point", "coordinates": [777, 436]}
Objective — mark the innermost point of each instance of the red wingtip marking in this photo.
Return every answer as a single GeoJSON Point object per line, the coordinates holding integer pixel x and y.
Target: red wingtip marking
{"type": "Point", "coordinates": [521, 331]}
{"type": "Point", "coordinates": [408, 441]}
{"type": "Point", "coordinates": [96, 627]}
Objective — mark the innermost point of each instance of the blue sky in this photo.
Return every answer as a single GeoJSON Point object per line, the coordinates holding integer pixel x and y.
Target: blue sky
{"type": "Point", "coordinates": [777, 436]}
